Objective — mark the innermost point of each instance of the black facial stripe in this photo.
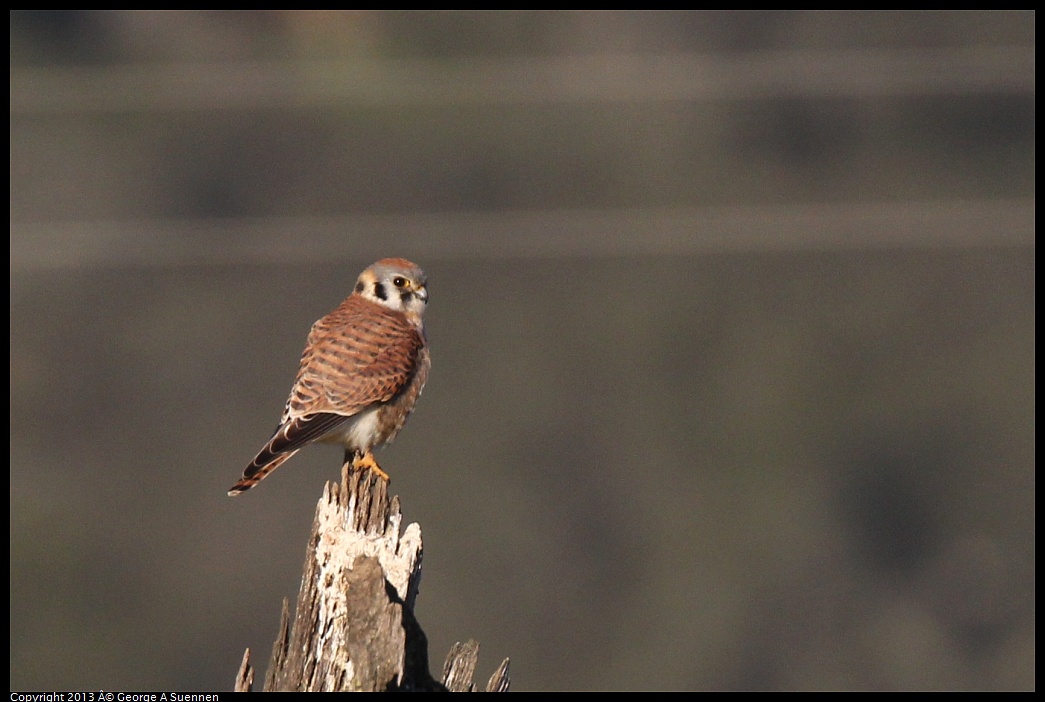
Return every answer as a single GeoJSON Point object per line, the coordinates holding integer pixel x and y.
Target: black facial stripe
{"type": "Point", "coordinates": [360, 286]}
{"type": "Point", "coordinates": [379, 291]}
{"type": "Point", "coordinates": [405, 296]}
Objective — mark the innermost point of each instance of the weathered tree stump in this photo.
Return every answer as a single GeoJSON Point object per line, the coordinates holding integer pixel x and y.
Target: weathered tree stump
{"type": "Point", "coordinates": [354, 627]}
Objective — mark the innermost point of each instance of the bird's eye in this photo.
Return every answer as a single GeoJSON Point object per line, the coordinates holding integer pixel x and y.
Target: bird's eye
{"type": "Point", "coordinates": [399, 281]}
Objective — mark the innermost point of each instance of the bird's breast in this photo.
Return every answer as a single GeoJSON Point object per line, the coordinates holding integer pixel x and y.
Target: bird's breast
{"type": "Point", "coordinates": [361, 432]}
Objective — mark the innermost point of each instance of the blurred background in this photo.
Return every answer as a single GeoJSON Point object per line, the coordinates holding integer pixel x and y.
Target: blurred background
{"type": "Point", "coordinates": [732, 320]}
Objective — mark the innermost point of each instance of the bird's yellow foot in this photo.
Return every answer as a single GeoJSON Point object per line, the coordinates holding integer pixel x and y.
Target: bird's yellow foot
{"type": "Point", "coordinates": [368, 462]}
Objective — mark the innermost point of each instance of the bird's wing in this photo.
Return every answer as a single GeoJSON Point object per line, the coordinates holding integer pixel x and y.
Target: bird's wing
{"type": "Point", "coordinates": [358, 355]}
{"type": "Point", "coordinates": [289, 438]}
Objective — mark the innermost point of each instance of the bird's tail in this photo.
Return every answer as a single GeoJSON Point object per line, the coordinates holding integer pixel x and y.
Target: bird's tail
{"type": "Point", "coordinates": [258, 469]}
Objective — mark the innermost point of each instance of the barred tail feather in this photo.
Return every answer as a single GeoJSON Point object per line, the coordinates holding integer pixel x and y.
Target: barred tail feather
{"type": "Point", "coordinates": [256, 473]}
{"type": "Point", "coordinates": [290, 437]}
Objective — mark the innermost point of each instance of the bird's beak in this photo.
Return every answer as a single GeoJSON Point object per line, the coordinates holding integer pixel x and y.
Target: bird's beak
{"type": "Point", "coordinates": [422, 292]}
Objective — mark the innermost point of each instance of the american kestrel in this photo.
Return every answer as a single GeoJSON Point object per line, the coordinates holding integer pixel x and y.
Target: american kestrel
{"type": "Point", "coordinates": [362, 370]}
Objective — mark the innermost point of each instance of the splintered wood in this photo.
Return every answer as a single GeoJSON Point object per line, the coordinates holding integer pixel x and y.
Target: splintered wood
{"type": "Point", "coordinates": [354, 627]}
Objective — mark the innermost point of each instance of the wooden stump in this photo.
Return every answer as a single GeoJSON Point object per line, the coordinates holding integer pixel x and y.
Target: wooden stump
{"type": "Point", "coordinates": [354, 627]}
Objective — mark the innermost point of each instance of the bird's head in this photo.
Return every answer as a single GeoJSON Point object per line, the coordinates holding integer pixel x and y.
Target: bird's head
{"type": "Point", "coordinates": [397, 284]}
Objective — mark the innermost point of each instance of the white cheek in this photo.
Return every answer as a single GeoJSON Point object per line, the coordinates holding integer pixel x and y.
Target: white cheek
{"type": "Point", "coordinates": [392, 303]}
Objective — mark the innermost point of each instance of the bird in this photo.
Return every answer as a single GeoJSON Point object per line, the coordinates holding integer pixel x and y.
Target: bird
{"type": "Point", "coordinates": [363, 369]}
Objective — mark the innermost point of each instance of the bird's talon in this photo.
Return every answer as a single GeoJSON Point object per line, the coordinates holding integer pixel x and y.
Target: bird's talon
{"type": "Point", "coordinates": [368, 462]}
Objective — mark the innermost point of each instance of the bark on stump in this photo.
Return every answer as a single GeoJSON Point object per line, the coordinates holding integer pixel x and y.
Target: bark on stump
{"type": "Point", "coordinates": [354, 627]}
